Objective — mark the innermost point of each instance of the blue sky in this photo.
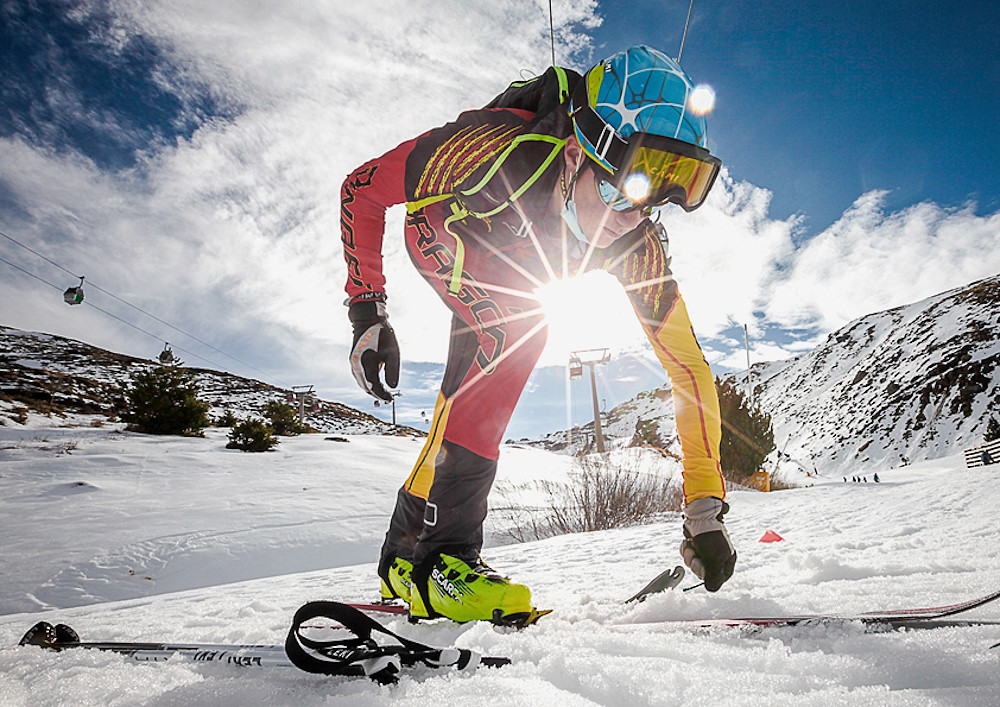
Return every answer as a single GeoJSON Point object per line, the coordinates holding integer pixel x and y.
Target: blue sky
{"type": "Point", "coordinates": [822, 101]}
{"type": "Point", "coordinates": [187, 158]}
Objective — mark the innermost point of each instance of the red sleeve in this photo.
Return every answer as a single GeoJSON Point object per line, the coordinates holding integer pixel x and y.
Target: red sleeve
{"type": "Point", "coordinates": [436, 163]}
{"type": "Point", "coordinates": [365, 195]}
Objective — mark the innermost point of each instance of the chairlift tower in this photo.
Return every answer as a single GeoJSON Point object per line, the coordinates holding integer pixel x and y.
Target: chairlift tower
{"type": "Point", "coordinates": [302, 393]}
{"type": "Point", "coordinates": [590, 358]}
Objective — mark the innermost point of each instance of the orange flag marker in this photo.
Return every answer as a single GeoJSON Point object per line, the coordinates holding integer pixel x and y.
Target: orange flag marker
{"type": "Point", "coordinates": [771, 537]}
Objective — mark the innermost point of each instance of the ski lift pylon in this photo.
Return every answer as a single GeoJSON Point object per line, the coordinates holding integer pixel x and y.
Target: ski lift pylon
{"type": "Point", "coordinates": [74, 295]}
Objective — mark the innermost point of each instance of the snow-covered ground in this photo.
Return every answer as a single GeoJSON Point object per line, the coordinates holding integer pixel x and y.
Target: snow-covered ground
{"type": "Point", "coordinates": [127, 537]}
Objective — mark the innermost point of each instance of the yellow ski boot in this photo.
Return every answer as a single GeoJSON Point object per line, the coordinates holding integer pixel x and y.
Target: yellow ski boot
{"type": "Point", "coordinates": [463, 591]}
{"type": "Point", "coordinates": [397, 584]}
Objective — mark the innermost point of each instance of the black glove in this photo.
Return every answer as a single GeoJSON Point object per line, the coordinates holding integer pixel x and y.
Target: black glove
{"type": "Point", "coordinates": [706, 547]}
{"type": "Point", "coordinates": [374, 347]}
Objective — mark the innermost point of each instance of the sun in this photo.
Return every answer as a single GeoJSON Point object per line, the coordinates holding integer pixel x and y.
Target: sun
{"type": "Point", "coordinates": [586, 312]}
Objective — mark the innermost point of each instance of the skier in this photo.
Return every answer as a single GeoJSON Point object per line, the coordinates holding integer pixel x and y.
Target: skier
{"type": "Point", "coordinates": [557, 174]}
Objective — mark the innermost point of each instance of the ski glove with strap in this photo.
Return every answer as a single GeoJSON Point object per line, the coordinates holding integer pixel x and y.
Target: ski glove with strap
{"type": "Point", "coordinates": [374, 348]}
{"type": "Point", "coordinates": [706, 547]}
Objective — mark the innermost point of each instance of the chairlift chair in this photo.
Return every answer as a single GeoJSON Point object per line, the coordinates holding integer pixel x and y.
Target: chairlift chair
{"type": "Point", "coordinates": [167, 355]}
{"type": "Point", "coordinates": [74, 295]}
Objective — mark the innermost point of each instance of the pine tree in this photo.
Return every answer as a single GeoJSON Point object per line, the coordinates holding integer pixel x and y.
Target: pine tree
{"type": "Point", "coordinates": [284, 419]}
{"type": "Point", "coordinates": [164, 401]}
{"type": "Point", "coordinates": [992, 430]}
{"type": "Point", "coordinates": [252, 435]}
{"type": "Point", "coordinates": [747, 434]}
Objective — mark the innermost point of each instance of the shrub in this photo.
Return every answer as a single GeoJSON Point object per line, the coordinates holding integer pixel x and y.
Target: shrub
{"type": "Point", "coordinates": [164, 401]}
{"type": "Point", "coordinates": [226, 419]}
{"type": "Point", "coordinates": [284, 419]}
{"type": "Point", "coordinates": [606, 491]}
{"type": "Point", "coordinates": [252, 435]}
{"type": "Point", "coordinates": [992, 429]}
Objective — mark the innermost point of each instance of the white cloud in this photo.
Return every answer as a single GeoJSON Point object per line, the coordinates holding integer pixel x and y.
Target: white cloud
{"type": "Point", "coordinates": [726, 252]}
{"type": "Point", "coordinates": [870, 260]}
{"type": "Point", "coordinates": [233, 234]}
{"type": "Point", "coordinates": [731, 260]}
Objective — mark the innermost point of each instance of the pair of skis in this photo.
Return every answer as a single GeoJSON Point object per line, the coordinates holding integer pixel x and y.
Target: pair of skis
{"type": "Point", "coordinates": [361, 655]}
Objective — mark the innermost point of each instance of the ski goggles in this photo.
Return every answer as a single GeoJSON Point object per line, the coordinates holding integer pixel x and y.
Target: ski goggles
{"type": "Point", "coordinates": [647, 170]}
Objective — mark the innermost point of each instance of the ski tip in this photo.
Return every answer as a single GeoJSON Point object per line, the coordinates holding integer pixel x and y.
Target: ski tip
{"type": "Point", "coordinates": [668, 579]}
{"type": "Point", "coordinates": [66, 635]}
{"type": "Point", "coordinates": [45, 635]}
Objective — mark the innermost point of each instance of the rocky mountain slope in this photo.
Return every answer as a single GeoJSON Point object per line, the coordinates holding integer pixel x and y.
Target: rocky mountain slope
{"type": "Point", "coordinates": [52, 375]}
{"type": "Point", "coordinates": [907, 384]}
{"type": "Point", "coordinates": [911, 383]}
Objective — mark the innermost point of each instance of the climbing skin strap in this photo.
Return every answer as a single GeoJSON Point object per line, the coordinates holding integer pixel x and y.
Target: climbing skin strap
{"type": "Point", "coordinates": [459, 211]}
{"type": "Point", "coordinates": [360, 654]}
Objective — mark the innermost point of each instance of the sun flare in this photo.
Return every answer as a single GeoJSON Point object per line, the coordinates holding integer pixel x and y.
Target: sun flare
{"type": "Point", "coordinates": [702, 99]}
{"type": "Point", "coordinates": [586, 312]}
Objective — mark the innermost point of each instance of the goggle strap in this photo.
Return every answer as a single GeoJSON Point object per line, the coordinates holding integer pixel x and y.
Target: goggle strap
{"type": "Point", "coordinates": [604, 141]}
{"type": "Point", "coordinates": [607, 144]}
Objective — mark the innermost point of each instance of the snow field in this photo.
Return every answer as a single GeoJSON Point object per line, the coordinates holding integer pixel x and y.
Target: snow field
{"type": "Point", "coordinates": [236, 532]}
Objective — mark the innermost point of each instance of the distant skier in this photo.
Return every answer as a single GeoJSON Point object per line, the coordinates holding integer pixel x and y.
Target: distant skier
{"type": "Point", "coordinates": [557, 174]}
{"type": "Point", "coordinates": [876, 477]}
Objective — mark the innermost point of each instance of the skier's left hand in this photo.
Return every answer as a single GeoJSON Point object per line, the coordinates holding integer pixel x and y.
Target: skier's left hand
{"type": "Point", "coordinates": [706, 547]}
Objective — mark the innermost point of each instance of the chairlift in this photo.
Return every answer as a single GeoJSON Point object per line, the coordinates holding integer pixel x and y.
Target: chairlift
{"type": "Point", "coordinates": [575, 368]}
{"type": "Point", "coordinates": [167, 355]}
{"type": "Point", "coordinates": [74, 295]}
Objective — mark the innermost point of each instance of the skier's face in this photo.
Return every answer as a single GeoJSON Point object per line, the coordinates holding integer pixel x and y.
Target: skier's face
{"type": "Point", "coordinates": [600, 223]}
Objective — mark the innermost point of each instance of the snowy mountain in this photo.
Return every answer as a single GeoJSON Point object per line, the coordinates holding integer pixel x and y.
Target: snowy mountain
{"type": "Point", "coordinates": [140, 538]}
{"type": "Point", "coordinates": [911, 383]}
{"type": "Point", "coordinates": [52, 375]}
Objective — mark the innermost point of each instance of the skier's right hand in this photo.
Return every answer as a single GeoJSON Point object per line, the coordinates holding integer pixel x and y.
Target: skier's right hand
{"type": "Point", "coordinates": [374, 347]}
{"type": "Point", "coordinates": [706, 547]}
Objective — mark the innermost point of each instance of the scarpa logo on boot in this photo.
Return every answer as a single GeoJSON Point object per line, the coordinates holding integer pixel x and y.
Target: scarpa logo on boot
{"type": "Point", "coordinates": [446, 586]}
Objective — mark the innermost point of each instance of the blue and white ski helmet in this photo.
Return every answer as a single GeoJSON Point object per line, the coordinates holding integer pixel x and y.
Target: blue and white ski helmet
{"type": "Point", "coordinates": [643, 90]}
{"type": "Point", "coordinates": [632, 113]}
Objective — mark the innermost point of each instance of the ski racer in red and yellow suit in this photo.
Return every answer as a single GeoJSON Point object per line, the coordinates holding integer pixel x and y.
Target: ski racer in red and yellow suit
{"type": "Point", "coordinates": [483, 227]}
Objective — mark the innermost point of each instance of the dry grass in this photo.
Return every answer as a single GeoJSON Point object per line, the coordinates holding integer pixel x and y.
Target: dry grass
{"type": "Point", "coordinates": [606, 491]}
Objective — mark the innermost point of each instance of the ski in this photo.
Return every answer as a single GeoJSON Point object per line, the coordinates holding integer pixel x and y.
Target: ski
{"type": "Point", "coordinates": [916, 618]}
{"type": "Point", "coordinates": [380, 607]}
{"type": "Point", "coordinates": [819, 619]}
{"type": "Point", "coordinates": [355, 656]}
{"type": "Point", "coordinates": [668, 579]}
{"type": "Point", "coordinates": [936, 612]}
{"type": "Point", "coordinates": [43, 634]}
